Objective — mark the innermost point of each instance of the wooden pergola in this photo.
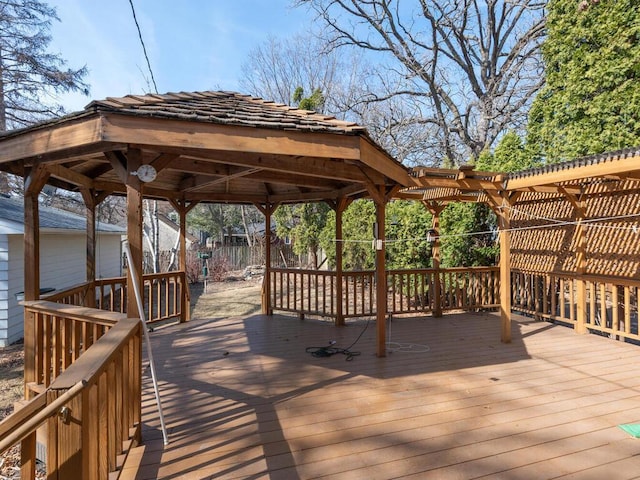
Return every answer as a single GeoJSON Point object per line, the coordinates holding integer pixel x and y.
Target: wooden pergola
{"type": "Point", "coordinates": [600, 191]}
{"type": "Point", "coordinates": [199, 147]}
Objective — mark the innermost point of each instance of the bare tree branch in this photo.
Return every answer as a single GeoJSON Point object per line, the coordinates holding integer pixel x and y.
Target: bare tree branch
{"type": "Point", "coordinates": [473, 65]}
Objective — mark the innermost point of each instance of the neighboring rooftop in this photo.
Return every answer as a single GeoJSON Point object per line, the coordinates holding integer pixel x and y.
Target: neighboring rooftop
{"type": "Point", "coordinates": [12, 210]}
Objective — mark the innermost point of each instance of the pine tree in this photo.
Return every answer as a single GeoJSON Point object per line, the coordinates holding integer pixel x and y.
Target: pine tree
{"type": "Point", "coordinates": [29, 74]}
{"type": "Point", "coordinates": [591, 100]}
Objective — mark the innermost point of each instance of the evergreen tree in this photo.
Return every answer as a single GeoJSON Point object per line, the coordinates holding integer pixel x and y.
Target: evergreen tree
{"type": "Point", "coordinates": [28, 72]}
{"type": "Point", "coordinates": [591, 100]}
{"type": "Point", "coordinates": [303, 223]}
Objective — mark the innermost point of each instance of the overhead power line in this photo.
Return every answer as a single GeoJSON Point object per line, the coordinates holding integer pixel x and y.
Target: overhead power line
{"type": "Point", "coordinates": [144, 48]}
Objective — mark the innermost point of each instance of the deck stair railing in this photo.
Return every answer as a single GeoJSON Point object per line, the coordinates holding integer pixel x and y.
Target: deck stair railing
{"type": "Point", "coordinates": [83, 375]}
{"type": "Point", "coordinates": [83, 391]}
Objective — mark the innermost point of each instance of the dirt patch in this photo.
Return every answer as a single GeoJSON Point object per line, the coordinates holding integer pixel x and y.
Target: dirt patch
{"type": "Point", "coordinates": [11, 373]}
{"type": "Point", "coordinates": [11, 386]}
{"type": "Point", "coordinates": [232, 297]}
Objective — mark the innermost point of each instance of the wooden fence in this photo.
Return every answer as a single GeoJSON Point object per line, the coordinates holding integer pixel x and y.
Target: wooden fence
{"type": "Point", "coordinates": [314, 292]}
{"type": "Point", "coordinates": [83, 380]}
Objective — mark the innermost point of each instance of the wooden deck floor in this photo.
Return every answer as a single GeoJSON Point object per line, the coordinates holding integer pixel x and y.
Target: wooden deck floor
{"type": "Point", "coordinates": [242, 399]}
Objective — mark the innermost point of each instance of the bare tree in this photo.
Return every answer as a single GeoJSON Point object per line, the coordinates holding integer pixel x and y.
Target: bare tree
{"type": "Point", "coordinates": [468, 68]}
{"type": "Point", "coordinates": [277, 69]}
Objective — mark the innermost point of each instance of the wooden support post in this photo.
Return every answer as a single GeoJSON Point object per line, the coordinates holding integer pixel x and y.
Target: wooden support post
{"type": "Point", "coordinates": [501, 204]}
{"type": "Point", "coordinates": [505, 274]}
{"type": "Point", "coordinates": [28, 457]}
{"type": "Point", "coordinates": [65, 432]}
{"type": "Point", "coordinates": [90, 209]}
{"type": "Point", "coordinates": [381, 278]}
{"type": "Point", "coordinates": [185, 298]}
{"type": "Point", "coordinates": [183, 208]}
{"type": "Point", "coordinates": [31, 283]}
{"type": "Point", "coordinates": [581, 266]}
{"type": "Point", "coordinates": [134, 230]}
{"type": "Point", "coordinates": [340, 207]}
{"type": "Point", "coordinates": [34, 182]}
{"type": "Point", "coordinates": [435, 210]}
{"type": "Point", "coordinates": [267, 210]}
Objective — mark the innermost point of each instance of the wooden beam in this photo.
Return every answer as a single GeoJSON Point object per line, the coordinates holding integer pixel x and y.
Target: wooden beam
{"type": "Point", "coordinates": [36, 180]}
{"type": "Point", "coordinates": [373, 157]}
{"type": "Point", "coordinates": [215, 162]}
{"type": "Point", "coordinates": [297, 179]}
{"type": "Point", "coordinates": [62, 139]}
{"type": "Point", "coordinates": [164, 160]}
{"type": "Point", "coordinates": [71, 176]}
{"type": "Point", "coordinates": [463, 184]}
{"type": "Point", "coordinates": [610, 166]}
{"type": "Point", "coordinates": [201, 181]}
{"type": "Point", "coordinates": [118, 161]}
{"type": "Point", "coordinates": [154, 132]}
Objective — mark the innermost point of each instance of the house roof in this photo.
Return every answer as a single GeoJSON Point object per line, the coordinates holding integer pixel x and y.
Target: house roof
{"type": "Point", "coordinates": [205, 146]}
{"type": "Point", "coordinates": [51, 219]}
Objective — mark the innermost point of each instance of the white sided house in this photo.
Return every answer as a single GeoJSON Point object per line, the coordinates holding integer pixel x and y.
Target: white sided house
{"type": "Point", "coordinates": [62, 257]}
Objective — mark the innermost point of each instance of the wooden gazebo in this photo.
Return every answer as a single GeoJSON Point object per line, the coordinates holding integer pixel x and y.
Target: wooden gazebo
{"type": "Point", "coordinates": [200, 147]}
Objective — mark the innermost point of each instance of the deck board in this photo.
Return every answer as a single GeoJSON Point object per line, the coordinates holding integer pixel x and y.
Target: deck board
{"type": "Point", "coordinates": [242, 399]}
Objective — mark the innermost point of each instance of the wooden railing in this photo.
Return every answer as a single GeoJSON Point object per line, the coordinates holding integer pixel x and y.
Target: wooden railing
{"type": "Point", "coordinates": [462, 288]}
{"type": "Point", "coordinates": [303, 291]}
{"type": "Point", "coordinates": [358, 294]}
{"type": "Point", "coordinates": [599, 304]}
{"type": "Point", "coordinates": [409, 291]}
{"type": "Point", "coordinates": [56, 335]}
{"type": "Point", "coordinates": [166, 295]}
{"type": "Point", "coordinates": [89, 376]}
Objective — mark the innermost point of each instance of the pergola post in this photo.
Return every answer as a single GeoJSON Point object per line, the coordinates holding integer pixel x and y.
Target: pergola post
{"type": "Point", "coordinates": [504, 224]}
{"type": "Point", "coordinates": [501, 205]}
{"type": "Point", "coordinates": [435, 210]}
{"type": "Point", "coordinates": [91, 201]}
{"type": "Point", "coordinates": [183, 208]}
{"type": "Point", "coordinates": [581, 264]}
{"type": "Point", "coordinates": [34, 182]}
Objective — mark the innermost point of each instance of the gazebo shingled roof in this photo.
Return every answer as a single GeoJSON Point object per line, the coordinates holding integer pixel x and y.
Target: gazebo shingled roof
{"type": "Point", "coordinates": [206, 146]}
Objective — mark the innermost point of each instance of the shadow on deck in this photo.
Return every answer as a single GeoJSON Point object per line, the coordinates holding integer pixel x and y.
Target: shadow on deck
{"type": "Point", "coordinates": [243, 399]}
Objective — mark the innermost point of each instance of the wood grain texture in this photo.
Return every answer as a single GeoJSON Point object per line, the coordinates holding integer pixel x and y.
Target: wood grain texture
{"type": "Point", "coordinates": [242, 399]}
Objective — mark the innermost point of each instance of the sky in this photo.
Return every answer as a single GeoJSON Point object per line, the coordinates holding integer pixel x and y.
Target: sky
{"type": "Point", "coordinates": [193, 45]}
